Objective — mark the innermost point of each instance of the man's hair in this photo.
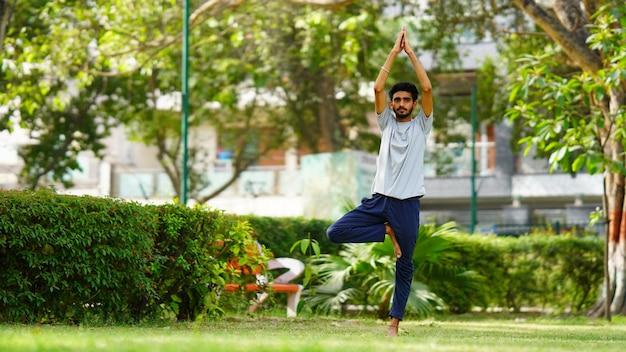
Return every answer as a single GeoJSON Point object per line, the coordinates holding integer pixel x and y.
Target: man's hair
{"type": "Point", "coordinates": [403, 87]}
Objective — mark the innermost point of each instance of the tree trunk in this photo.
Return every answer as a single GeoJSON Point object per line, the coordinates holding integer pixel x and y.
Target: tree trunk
{"type": "Point", "coordinates": [6, 11]}
{"type": "Point", "coordinates": [613, 293]}
{"type": "Point", "coordinates": [615, 289]}
{"type": "Point", "coordinates": [328, 114]}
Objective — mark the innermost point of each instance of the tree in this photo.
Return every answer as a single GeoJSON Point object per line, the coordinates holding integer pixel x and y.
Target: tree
{"type": "Point", "coordinates": [580, 118]}
{"type": "Point", "coordinates": [324, 55]}
{"type": "Point", "coordinates": [321, 55]}
{"type": "Point", "coordinates": [579, 79]}
{"type": "Point", "coordinates": [76, 45]}
{"type": "Point", "coordinates": [63, 107]}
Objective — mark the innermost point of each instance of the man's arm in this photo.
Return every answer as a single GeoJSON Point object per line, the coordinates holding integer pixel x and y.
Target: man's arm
{"type": "Point", "coordinates": [422, 77]}
{"type": "Point", "coordinates": [380, 100]}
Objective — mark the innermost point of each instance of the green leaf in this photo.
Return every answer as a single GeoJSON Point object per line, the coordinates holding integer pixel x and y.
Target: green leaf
{"type": "Point", "coordinates": [579, 162]}
{"type": "Point", "coordinates": [304, 244]}
{"type": "Point", "coordinates": [316, 248]}
{"type": "Point", "coordinates": [592, 167]}
{"type": "Point", "coordinates": [599, 93]}
{"type": "Point", "coordinates": [293, 246]}
{"type": "Point", "coordinates": [552, 145]}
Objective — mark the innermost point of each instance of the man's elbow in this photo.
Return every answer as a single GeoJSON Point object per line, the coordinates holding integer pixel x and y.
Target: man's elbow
{"type": "Point", "coordinates": [427, 88]}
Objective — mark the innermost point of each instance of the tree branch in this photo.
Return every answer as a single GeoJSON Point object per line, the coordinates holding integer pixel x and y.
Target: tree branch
{"type": "Point", "coordinates": [210, 5]}
{"type": "Point", "coordinates": [214, 7]}
{"type": "Point", "coordinates": [482, 16]}
{"type": "Point", "coordinates": [575, 47]}
{"type": "Point", "coordinates": [530, 34]}
{"type": "Point", "coordinates": [333, 4]}
{"type": "Point", "coordinates": [573, 17]}
{"type": "Point", "coordinates": [6, 12]}
{"type": "Point", "coordinates": [194, 17]}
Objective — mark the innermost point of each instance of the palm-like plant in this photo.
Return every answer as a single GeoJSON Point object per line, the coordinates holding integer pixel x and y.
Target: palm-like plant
{"type": "Point", "coordinates": [363, 274]}
{"type": "Point", "coordinates": [342, 278]}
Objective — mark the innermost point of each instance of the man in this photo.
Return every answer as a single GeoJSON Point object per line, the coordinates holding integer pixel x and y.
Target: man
{"type": "Point", "coordinates": [398, 185]}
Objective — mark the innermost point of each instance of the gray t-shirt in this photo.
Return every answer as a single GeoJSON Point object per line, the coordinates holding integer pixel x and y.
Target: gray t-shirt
{"type": "Point", "coordinates": [400, 172]}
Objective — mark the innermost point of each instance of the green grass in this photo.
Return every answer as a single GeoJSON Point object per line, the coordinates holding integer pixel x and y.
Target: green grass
{"type": "Point", "coordinates": [460, 333]}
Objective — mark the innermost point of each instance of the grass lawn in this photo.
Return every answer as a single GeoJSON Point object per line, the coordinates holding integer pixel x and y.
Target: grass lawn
{"type": "Point", "coordinates": [453, 333]}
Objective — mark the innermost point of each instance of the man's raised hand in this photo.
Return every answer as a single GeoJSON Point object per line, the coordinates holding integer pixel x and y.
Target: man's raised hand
{"type": "Point", "coordinates": [406, 45]}
{"type": "Point", "coordinates": [399, 45]}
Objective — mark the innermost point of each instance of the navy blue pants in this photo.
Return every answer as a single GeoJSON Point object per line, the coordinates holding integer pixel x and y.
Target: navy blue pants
{"type": "Point", "coordinates": [366, 223]}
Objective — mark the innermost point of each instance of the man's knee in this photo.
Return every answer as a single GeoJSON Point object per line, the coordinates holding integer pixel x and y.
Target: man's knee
{"type": "Point", "coordinates": [331, 233]}
{"type": "Point", "coordinates": [404, 267]}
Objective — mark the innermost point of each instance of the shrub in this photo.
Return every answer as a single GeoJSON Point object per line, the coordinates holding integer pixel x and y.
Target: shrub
{"type": "Point", "coordinates": [190, 261]}
{"type": "Point", "coordinates": [69, 258]}
{"type": "Point", "coordinates": [558, 272]}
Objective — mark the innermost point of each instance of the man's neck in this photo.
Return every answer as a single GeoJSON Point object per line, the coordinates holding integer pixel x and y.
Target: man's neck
{"type": "Point", "coordinates": [404, 119]}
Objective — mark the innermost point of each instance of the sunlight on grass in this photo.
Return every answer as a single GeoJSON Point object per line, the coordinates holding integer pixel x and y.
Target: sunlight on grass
{"type": "Point", "coordinates": [325, 334]}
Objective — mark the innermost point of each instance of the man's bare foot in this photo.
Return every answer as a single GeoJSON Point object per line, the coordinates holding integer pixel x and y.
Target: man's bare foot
{"type": "Point", "coordinates": [392, 330]}
{"type": "Point", "coordinates": [392, 235]}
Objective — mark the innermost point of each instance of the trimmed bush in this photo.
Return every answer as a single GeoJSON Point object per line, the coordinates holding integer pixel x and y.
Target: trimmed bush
{"type": "Point", "coordinates": [193, 251]}
{"type": "Point", "coordinates": [563, 273]}
{"type": "Point", "coordinates": [71, 259]}
{"type": "Point", "coordinates": [67, 258]}
{"type": "Point", "coordinates": [74, 259]}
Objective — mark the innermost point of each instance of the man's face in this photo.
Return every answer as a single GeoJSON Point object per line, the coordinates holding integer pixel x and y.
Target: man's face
{"type": "Point", "coordinates": [403, 104]}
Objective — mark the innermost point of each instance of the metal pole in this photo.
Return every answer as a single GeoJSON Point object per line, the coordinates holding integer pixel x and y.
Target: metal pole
{"type": "Point", "coordinates": [608, 288]}
{"type": "Point", "coordinates": [185, 102]}
{"type": "Point", "coordinates": [473, 175]}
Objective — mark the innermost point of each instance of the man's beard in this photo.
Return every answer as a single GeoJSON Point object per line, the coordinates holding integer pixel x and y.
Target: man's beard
{"type": "Point", "coordinates": [404, 115]}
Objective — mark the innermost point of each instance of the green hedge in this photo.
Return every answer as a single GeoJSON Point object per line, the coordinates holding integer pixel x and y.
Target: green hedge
{"type": "Point", "coordinates": [279, 234]}
{"type": "Point", "coordinates": [69, 259]}
{"type": "Point", "coordinates": [192, 253]}
{"type": "Point", "coordinates": [558, 272]}
{"type": "Point", "coordinates": [563, 273]}
{"type": "Point", "coordinates": [62, 257]}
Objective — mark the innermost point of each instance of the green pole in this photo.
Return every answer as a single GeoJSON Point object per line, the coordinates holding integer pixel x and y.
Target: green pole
{"type": "Point", "coordinates": [185, 102]}
{"type": "Point", "coordinates": [473, 175]}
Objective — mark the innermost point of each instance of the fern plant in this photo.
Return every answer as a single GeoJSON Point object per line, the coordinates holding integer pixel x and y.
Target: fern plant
{"type": "Point", "coordinates": [363, 274]}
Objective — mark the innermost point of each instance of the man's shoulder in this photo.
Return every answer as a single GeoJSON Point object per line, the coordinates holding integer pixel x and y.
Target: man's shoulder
{"type": "Point", "coordinates": [422, 115]}
{"type": "Point", "coordinates": [384, 118]}
{"type": "Point", "coordinates": [386, 112]}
